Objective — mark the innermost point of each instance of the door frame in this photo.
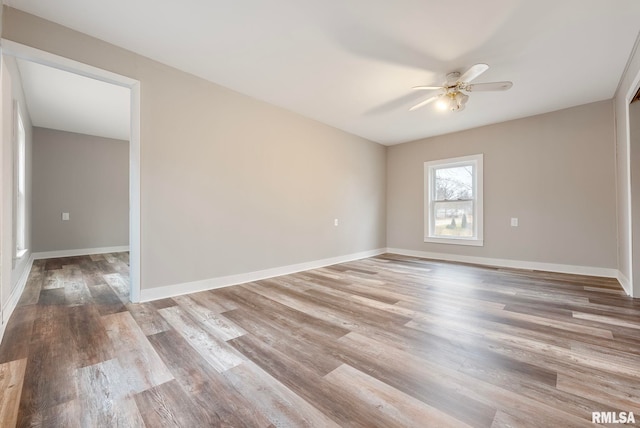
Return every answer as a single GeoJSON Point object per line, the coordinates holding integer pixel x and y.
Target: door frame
{"type": "Point", "coordinates": [28, 53]}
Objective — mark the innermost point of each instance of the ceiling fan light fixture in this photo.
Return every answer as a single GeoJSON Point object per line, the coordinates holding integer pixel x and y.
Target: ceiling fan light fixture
{"type": "Point", "coordinates": [442, 103]}
{"type": "Point", "coordinates": [453, 103]}
{"type": "Point", "coordinates": [461, 98]}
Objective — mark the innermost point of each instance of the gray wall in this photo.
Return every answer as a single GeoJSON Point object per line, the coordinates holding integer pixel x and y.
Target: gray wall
{"type": "Point", "coordinates": [86, 176]}
{"type": "Point", "coordinates": [555, 172]}
{"type": "Point", "coordinates": [229, 184]}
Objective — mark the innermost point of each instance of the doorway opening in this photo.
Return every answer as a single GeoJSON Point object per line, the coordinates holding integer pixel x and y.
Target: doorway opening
{"type": "Point", "coordinates": [37, 59]}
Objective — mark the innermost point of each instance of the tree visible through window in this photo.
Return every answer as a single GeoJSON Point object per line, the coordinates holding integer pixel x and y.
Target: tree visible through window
{"type": "Point", "coordinates": [453, 204]}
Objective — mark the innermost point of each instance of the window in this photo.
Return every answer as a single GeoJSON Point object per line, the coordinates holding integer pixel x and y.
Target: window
{"type": "Point", "coordinates": [20, 186]}
{"type": "Point", "coordinates": [453, 201]}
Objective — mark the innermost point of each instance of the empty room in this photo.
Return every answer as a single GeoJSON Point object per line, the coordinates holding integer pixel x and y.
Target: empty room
{"type": "Point", "coordinates": [320, 214]}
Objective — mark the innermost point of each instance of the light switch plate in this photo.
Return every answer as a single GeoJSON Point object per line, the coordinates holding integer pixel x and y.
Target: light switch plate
{"type": "Point", "coordinates": [65, 216]}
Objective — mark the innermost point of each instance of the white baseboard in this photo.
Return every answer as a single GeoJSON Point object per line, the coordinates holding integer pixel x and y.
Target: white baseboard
{"type": "Point", "coordinates": [225, 281]}
{"type": "Point", "coordinates": [11, 304]}
{"type": "Point", "coordinates": [626, 284]}
{"type": "Point", "coordinates": [507, 263]}
{"type": "Point", "coordinates": [79, 252]}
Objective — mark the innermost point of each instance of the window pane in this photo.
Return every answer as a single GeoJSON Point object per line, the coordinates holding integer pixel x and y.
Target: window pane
{"type": "Point", "coordinates": [453, 219]}
{"type": "Point", "coordinates": [20, 221]}
{"type": "Point", "coordinates": [454, 183]}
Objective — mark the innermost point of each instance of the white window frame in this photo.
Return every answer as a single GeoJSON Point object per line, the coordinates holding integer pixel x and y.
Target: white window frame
{"type": "Point", "coordinates": [430, 168]}
{"type": "Point", "coordinates": [20, 184]}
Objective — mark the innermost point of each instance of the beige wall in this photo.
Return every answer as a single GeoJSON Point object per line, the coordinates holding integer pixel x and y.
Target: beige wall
{"type": "Point", "coordinates": [627, 88]}
{"type": "Point", "coordinates": [555, 172]}
{"type": "Point", "coordinates": [230, 184]}
{"type": "Point", "coordinates": [86, 176]}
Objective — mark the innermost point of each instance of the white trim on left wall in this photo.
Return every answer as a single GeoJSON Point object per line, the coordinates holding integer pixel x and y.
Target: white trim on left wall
{"type": "Point", "coordinates": [624, 282]}
{"type": "Point", "coordinates": [12, 303]}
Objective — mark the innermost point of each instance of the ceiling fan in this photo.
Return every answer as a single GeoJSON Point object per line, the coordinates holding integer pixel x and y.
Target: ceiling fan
{"type": "Point", "coordinates": [453, 96]}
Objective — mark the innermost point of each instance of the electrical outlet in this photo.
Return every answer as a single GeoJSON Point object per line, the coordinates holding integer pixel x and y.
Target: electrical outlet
{"type": "Point", "coordinates": [335, 221]}
{"type": "Point", "coordinates": [514, 222]}
{"type": "Point", "coordinates": [65, 216]}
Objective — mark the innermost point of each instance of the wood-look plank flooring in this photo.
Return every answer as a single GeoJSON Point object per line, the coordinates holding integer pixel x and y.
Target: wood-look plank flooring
{"type": "Point", "coordinates": [389, 341]}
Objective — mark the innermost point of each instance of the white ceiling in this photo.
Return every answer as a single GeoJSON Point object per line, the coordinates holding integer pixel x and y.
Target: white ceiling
{"type": "Point", "coordinates": [351, 64]}
{"type": "Point", "coordinates": [65, 101]}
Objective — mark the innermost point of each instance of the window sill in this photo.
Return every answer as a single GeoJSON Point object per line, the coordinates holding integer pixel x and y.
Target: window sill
{"type": "Point", "coordinates": [454, 241]}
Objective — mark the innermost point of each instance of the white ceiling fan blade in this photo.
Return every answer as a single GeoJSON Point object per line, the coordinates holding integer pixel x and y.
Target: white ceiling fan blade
{"type": "Point", "coordinates": [491, 86]}
{"type": "Point", "coordinates": [473, 72]}
{"type": "Point", "coordinates": [425, 102]}
{"type": "Point", "coordinates": [428, 88]}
